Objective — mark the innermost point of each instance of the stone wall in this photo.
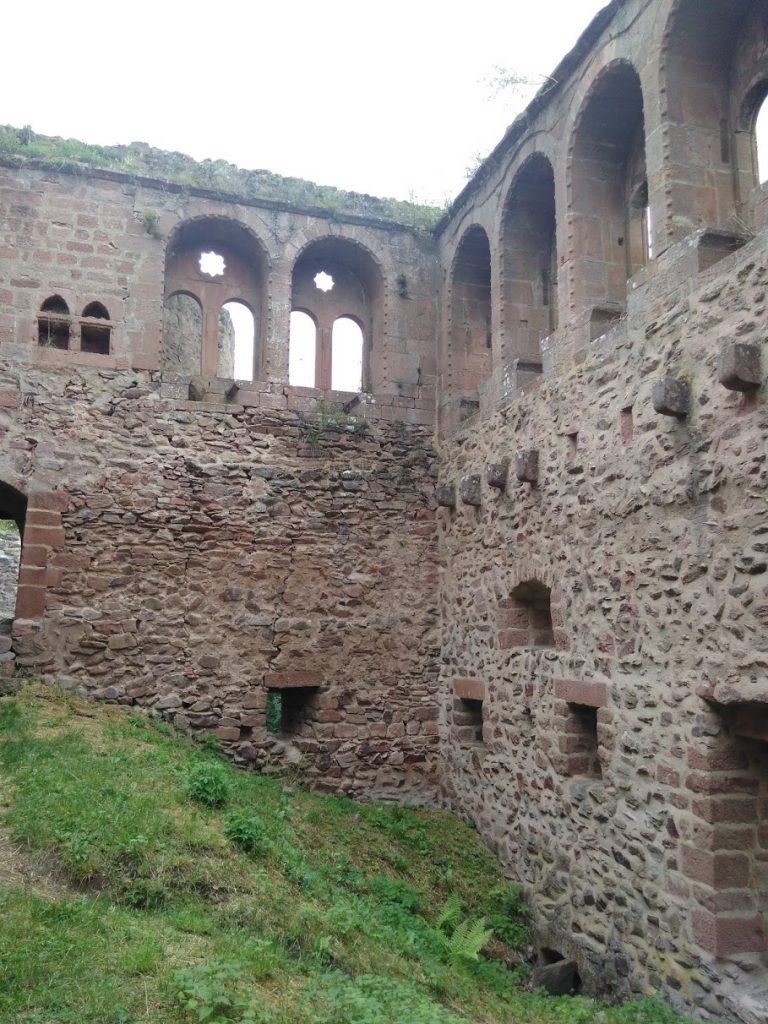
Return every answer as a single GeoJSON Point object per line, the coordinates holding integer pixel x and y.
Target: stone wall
{"type": "Point", "coordinates": [10, 549]}
{"type": "Point", "coordinates": [207, 553]}
{"type": "Point", "coordinates": [621, 774]}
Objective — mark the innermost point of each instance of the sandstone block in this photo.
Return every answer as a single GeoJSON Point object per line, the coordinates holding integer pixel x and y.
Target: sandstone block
{"type": "Point", "coordinates": [496, 474]}
{"type": "Point", "coordinates": [471, 490]}
{"type": "Point", "coordinates": [527, 466]}
{"type": "Point", "coordinates": [738, 367]}
{"type": "Point", "coordinates": [672, 397]}
{"type": "Point", "coordinates": [445, 495]}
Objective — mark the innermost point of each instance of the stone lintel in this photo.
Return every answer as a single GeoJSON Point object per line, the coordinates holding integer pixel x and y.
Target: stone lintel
{"type": "Point", "coordinates": [292, 680]}
{"type": "Point", "coordinates": [469, 689]}
{"type": "Point", "coordinates": [575, 691]}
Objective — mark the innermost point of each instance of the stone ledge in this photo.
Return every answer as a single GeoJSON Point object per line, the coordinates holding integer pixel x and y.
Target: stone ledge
{"type": "Point", "coordinates": [574, 691]}
{"type": "Point", "coordinates": [292, 680]}
{"type": "Point", "coordinates": [469, 689]}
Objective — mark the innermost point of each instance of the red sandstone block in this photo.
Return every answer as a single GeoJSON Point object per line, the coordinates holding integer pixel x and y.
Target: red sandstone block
{"type": "Point", "coordinates": [227, 734]}
{"type": "Point", "coordinates": [52, 536]}
{"type": "Point", "coordinates": [42, 517]}
{"type": "Point", "coordinates": [667, 776]}
{"type": "Point", "coordinates": [9, 399]}
{"type": "Point", "coordinates": [717, 760]}
{"type": "Point", "coordinates": [469, 689]}
{"type": "Point", "coordinates": [30, 602]}
{"type": "Point", "coordinates": [724, 937]}
{"type": "Point", "coordinates": [287, 680]}
{"type": "Point", "coordinates": [513, 638]}
{"type": "Point", "coordinates": [719, 837]}
{"type": "Point", "coordinates": [512, 618]}
{"type": "Point", "coordinates": [725, 810]}
{"type": "Point", "coordinates": [716, 783]}
{"type": "Point", "coordinates": [574, 691]}
{"type": "Point", "coordinates": [52, 501]}
{"type": "Point", "coordinates": [718, 870]}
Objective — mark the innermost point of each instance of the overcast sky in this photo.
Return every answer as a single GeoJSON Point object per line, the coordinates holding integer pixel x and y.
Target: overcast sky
{"type": "Point", "coordinates": [391, 99]}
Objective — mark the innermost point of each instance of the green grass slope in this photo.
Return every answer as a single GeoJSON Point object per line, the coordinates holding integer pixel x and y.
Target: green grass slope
{"type": "Point", "coordinates": [143, 879]}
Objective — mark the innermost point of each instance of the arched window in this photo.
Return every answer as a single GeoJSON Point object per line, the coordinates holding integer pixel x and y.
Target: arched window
{"type": "Point", "coordinates": [347, 355]}
{"type": "Point", "coordinates": [607, 170]}
{"type": "Point", "coordinates": [224, 266]}
{"type": "Point", "coordinates": [53, 323]}
{"type": "Point", "coordinates": [529, 261]}
{"type": "Point", "coordinates": [470, 315]}
{"type": "Point", "coordinates": [13, 507]}
{"type": "Point", "coordinates": [94, 336]}
{"type": "Point", "coordinates": [337, 281]}
{"type": "Point", "coordinates": [183, 334]}
{"type": "Point", "coordinates": [236, 341]}
{"type": "Point", "coordinates": [716, 53]}
{"type": "Point", "coordinates": [760, 131]}
{"type": "Point", "coordinates": [301, 351]}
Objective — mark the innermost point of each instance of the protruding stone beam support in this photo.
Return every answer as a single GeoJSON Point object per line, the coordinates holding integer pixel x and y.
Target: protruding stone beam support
{"type": "Point", "coordinates": [445, 495]}
{"type": "Point", "coordinates": [471, 490]}
{"type": "Point", "coordinates": [292, 680]}
{"type": "Point", "coordinates": [496, 474]}
{"type": "Point", "coordinates": [469, 689]}
{"type": "Point", "coordinates": [672, 397]}
{"type": "Point", "coordinates": [527, 466]}
{"type": "Point", "coordinates": [738, 367]}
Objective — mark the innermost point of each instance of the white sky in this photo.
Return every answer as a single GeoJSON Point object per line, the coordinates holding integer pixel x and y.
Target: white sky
{"type": "Point", "coordinates": [390, 99]}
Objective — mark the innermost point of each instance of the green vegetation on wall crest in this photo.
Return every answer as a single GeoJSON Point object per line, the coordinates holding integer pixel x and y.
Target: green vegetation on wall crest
{"type": "Point", "coordinates": [140, 160]}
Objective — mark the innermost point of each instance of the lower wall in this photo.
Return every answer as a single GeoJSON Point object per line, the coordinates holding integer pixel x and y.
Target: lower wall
{"type": "Point", "coordinates": [621, 770]}
{"type": "Point", "coordinates": [187, 557]}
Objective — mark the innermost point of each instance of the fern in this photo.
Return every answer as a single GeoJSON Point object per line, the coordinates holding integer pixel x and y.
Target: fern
{"type": "Point", "coordinates": [461, 939]}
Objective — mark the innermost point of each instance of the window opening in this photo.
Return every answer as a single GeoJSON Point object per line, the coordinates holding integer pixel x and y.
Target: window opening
{"type": "Point", "coordinates": [346, 355]}
{"type": "Point", "coordinates": [240, 333]}
{"type": "Point", "coordinates": [761, 141]}
{"type": "Point", "coordinates": [627, 425]}
{"type": "Point", "coordinates": [212, 263]}
{"type": "Point", "coordinates": [288, 710]}
{"type": "Point", "coordinates": [468, 720]}
{"type": "Point", "coordinates": [301, 349]}
{"type": "Point", "coordinates": [581, 732]}
{"type": "Point", "coordinates": [526, 616]}
{"type": "Point", "coordinates": [13, 509]}
{"type": "Point", "coordinates": [323, 281]}
{"type": "Point", "coordinates": [53, 323]}
{"type": "Point", "coordinates": [95, 337]}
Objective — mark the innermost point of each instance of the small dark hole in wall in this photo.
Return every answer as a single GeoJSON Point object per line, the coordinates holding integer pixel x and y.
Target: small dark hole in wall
{"type": "Point", "coordinates": [468, 718]}
{"type": "Point", "coordinates": [549, 956]}
{"type": "Point", "coordinates": [583, 731]}
{"type": "Point", "coordinates": [573, 443]}
{"type": "Point", "coordinates": [288, 710]}
{"type": "Point", "coordinates": [627, 425]}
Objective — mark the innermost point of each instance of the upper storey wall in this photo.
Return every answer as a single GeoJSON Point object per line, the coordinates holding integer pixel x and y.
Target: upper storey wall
{"type": "Point", "coordinates": [644, 137]}
{"type": "Point", "coordinates": [129, 245]}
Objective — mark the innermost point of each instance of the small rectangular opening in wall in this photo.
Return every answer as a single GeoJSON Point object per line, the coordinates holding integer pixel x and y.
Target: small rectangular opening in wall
{"type": "Point", "coordinates": [572, 441]}
{"type": "Point", "coordinates": [52, 333]}
{"type": "Point", "coordinates": [581, 733]}
{"type": "Point", "coordinates": [95, 338]}
{"type": "Point", "coordinates": [715, 246]}
{"type": "Point", "coordinates": [627, 425]}
{"type": "Point", "coordinates": [602, 320]}
{"type": "Point", "coordinates": [468, 720]}
{"type": "Point", "coordinates": [288, 710]}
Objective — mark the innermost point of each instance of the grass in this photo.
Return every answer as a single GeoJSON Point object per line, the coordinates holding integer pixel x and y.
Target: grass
{"type": "Point", "coordinates": [8, 526]}
{"type": "Point", "coordinates": [151, 881]}
{"type": "Point", "coordinates": [139, 159]}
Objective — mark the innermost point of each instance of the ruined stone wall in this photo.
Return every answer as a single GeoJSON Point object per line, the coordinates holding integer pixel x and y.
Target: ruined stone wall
{"type": "Point", "coordinates": [648, 863]}
{"type": "Point", "coordinates": [196, 555]}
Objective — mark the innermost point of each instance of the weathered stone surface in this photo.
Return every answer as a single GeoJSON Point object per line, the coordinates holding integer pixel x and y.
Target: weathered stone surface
{"type": "Point", "coordinates": [738, 367]}
{"type": "Point", "coordinates": [496, 474]}
{"type": "Point", "coordinates": [527, 466]}
{"type": "Point", "coordinates": [672, 397]}
{"type": "Point", "coordinates": [445, 495]}
{"type": "Point", "coordinates": [471, 490]}
{"type": "Point", "coordinates": [558, 979]}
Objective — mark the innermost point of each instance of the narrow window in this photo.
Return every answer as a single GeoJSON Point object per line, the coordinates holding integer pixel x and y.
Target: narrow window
{"type": "Point", "coordinates": [288, 711]}
{"type": "Point", "coordinates": [53, 323]}
{"type": "Point", "coordinates": [581, 740]}
{"type": "Point", "coordinates": [524, 619]}
{"type": "Point", "coordinates": [761, 141]}
{"type": "Point", "coordinates": [13, 509]}
{"type": "Point", "coordinates": [627, 425]}
{"type": "Point", "coordinates": [468, 720]}
{"type": "Point", "coordinates": [301, 349]}
{"type": "Point", "coordinates": [236, 341]}
{"type": "Point", "coordinates": [95, 337]}
{"type": "Point", "coordinates": [346, 355]}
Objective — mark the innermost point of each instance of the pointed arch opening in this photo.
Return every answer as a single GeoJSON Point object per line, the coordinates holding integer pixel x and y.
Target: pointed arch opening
{"type": "Point", "coordinates": [609, 191]}
{"type": "Point", "coordinates": [470, 315]}
{"type": "Point", "coordinates": [529, 261]}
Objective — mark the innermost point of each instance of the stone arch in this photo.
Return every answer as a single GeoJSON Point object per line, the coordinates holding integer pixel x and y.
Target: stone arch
{"type": "Point", "coordinates": [356, 292]}
{"type": "Point", "coordinates": [606, 173]}
{"type": "Point", "coordinates": [243, 278]}
{"type": "Point", "coordinates": [714, 70]}
{"type": "Point", "coordinates": [470, 358]}
{"type": "Point", "coordinates": [13, 515]}
{"type": "Point", "coordinates": [529, 261]}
